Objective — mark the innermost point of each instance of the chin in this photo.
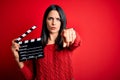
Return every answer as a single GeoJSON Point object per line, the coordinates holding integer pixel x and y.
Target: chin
{"type": "Point", "coordinates": [53, 31]}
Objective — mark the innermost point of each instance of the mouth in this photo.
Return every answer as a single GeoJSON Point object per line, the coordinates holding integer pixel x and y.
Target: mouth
{"type": "Point", "coordinates": [53, 28]}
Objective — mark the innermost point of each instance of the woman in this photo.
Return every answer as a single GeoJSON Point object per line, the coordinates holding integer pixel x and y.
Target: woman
{"type": "Point", "coordinates": [58, 44]}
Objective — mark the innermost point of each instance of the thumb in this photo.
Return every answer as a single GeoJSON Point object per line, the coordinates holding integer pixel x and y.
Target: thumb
{"type": "Point", "coordinates": [64, 44]}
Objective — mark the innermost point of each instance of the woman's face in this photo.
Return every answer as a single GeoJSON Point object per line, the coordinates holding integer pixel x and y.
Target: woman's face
{"type": "Point", "coordinates": [53, 21]}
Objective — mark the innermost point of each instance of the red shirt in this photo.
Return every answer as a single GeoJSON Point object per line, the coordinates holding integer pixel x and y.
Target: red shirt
{"type": "Point", "coordinates": [56, 65]}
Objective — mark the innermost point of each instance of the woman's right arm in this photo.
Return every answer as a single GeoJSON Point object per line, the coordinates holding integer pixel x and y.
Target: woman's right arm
{"type": "Point", "coordinates": [26, 70]}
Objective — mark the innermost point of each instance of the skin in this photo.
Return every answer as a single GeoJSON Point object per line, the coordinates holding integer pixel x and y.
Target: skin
{"type": "Point", "coordinates": [53, 25]}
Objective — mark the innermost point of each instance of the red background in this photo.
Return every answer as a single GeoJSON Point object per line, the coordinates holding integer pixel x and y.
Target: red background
{"type": "Point", "coordinates": [97, 21]}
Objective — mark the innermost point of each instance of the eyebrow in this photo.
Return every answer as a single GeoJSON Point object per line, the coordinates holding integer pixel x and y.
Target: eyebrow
{"type": "Point", "coordinates": [53, 18]}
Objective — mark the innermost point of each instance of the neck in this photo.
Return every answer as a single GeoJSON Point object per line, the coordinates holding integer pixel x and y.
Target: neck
{"type": "Point", "coordinates": [51, 39]}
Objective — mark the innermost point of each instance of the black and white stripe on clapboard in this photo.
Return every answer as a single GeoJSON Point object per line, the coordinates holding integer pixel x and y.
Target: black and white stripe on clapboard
{"type": "Point", "coordinates": [26, 33]}
{"type": "Point", "coordinates": [30, 49]}
{"type": "Point", "coordinates": [29, 41]}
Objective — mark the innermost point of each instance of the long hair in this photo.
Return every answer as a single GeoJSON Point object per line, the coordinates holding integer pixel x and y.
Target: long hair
{"type": "Point", "coordinates": [45, 33]}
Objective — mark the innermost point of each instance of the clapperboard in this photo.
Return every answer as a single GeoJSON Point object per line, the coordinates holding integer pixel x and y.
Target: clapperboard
{"type": "Point", "coordinates": [30, 49]}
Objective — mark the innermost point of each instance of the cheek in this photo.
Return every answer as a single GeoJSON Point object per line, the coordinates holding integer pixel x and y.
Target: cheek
{"type": "Point", "coordinates": [59, 25]}
{"type": "Point", "coordinates": [48, 24]}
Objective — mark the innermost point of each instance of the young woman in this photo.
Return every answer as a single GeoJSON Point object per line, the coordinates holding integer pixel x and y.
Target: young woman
{"type": "Point", "coordinates": [58, 43]}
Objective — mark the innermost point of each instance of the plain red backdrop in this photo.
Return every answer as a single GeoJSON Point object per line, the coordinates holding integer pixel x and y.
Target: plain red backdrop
{"type": "Point", "coordinates": [97, 22]}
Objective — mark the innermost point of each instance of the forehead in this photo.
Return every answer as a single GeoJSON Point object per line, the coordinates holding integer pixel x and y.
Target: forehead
{"type": "Point", "coordinates": [54, 13]}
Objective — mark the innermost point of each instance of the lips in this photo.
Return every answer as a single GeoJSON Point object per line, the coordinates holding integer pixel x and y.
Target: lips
{"type": "Point", "coordinates": [53, 28]}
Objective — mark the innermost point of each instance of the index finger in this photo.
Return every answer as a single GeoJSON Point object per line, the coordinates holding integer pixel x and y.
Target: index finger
{"type": "Point", "coordinates": [14, 41]}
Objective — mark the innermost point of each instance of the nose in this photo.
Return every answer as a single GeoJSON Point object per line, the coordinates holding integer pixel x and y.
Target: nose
{"type": "Point", "coordinates": [53, 22]}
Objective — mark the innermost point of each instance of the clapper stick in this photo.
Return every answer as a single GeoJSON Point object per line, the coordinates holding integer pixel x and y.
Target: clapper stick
{"type": "Point", "coordinates": [25, 34]}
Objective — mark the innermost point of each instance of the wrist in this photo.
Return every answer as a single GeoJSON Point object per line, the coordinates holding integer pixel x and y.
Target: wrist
{"type": "Point", "coordinates": [21, 64]}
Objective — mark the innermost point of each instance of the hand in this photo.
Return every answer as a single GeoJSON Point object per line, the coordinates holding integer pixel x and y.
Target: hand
{"type": "Point", "coordinates": [15, 48]}
{"type": "Point", "coordinates": [69, 36]}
